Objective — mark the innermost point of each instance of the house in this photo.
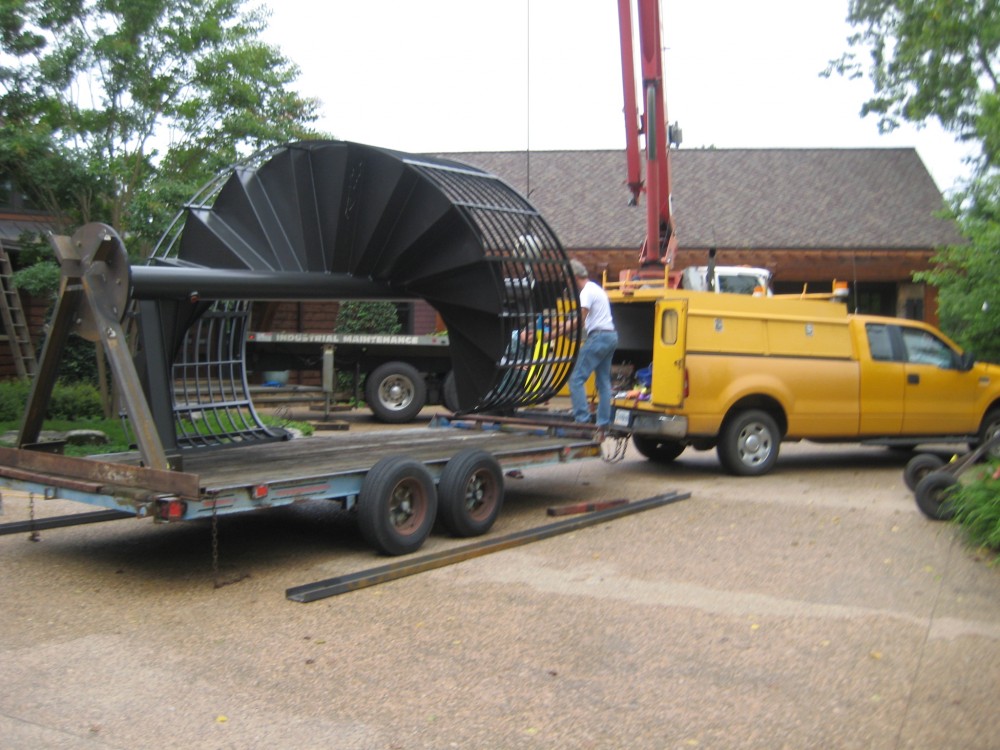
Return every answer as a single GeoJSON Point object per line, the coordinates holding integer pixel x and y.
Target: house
{"type": "Point", "coordinates": [865, 216]}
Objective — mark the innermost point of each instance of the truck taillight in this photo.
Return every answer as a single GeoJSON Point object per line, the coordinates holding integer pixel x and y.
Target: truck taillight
{"type": "Point", "coordinates": [687, 384]}
{"type": "Point", "coordinates": [171, 510]}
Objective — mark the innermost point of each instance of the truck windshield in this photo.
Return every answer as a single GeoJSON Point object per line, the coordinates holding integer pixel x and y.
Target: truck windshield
{"type": "Point", "coordinates": [741, 284]}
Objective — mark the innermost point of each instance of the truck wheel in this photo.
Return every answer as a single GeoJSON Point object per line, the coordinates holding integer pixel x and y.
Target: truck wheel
{"type": "Point", "coordinates": [661, 451]}
{"type": "Point", "coordinates": [919, 467]}
{"type": "Point", "coordinates": [397, 505]}
{"type": "Point", "coordinates": [989, 430]}
{"type": "Point", "coordinates": [932, 495]}
{"type": "Point", "coordinates": [748, 445]}
{"type": "Point", "coordinates": [449, 392]}
{"type": "Point", "coordinates": [395, 392]}
{"type": "Point", "coordinates": [470, 493]}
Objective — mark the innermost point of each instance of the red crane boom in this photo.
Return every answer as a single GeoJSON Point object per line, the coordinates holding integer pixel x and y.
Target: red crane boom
{"type": "Point", "coordinates": [660, 244]}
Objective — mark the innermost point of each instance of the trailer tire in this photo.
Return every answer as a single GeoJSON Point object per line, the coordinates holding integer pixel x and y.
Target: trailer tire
{"type": "Point", "coordinates": [470, 493]}
{"type": "Point", "coordinates": [919, 467]}
{"type": "Point", "coordinates": [748, 444]}
{"type": "Point", "coordinates": [449, 393]}
{"type": "Point", "coordinates": [932, 495]}
{"type": "Point", "coordinates": [655, 449]}
{"type": "Point", "coordinates": [397, 505]}
{"type": "Point", "coordinates": [395, 392]}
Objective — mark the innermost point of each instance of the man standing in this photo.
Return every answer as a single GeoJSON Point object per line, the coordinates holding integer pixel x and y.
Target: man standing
{"type": "Point", "coordinates": [596, 352]}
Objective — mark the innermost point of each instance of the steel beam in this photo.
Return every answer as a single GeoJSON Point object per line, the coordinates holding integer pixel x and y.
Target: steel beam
{"type": "Point", "coordinates": [310, 592]}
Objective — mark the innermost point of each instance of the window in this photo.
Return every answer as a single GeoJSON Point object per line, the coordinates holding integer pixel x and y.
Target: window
{"type": "Point", "coordinates": [668, 327]}
{"type": "Point", "coordinates": [879, 342]}
{"type": "Point", "coordinates": [924, 349]}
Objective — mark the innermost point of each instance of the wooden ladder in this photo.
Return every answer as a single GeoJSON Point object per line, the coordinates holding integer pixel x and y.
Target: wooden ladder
{"type": "Point", "coordinates": [14, 324]}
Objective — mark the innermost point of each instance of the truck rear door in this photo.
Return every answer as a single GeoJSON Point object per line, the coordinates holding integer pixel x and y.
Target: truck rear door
{"type": "Point", "coordinates": [669, 348]}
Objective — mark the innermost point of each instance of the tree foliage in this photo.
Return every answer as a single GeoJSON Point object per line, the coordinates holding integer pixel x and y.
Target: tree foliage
{"type": "Point", "coordinates": [968, 275]}
{"type": "Point", "coordinates": [119, 110]}
{"type": "Point", "coordinates": [939, 60]}
{"type": "Point", "coordinates": [930, 59]}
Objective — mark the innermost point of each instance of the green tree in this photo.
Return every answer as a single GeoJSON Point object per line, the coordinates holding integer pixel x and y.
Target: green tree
{"type": "Point", "coordinates": [939, 60]}
{"type": "Point", "coordinates": [119, 110]}
{"type": "Point", "coordinates": [929, 59]}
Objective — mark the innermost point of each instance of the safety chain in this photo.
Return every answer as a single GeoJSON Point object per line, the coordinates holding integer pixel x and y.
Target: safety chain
{"type": "Point", "coordinates": [34, 536]}
{"type": "Point", "coordinates": [215, 546]}
{"type": "Point", "coordinates": [216, 581]}
{"type": "Point", "coordinates": [617, 454]}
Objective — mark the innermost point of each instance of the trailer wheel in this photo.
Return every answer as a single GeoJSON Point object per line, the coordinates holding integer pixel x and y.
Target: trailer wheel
{"type": "Point", "coordinates": [395, 392]}
{"type": "Point", "coordinates": [449, 393]}
{"type": "Point", "coordinates": [655, 449]}
{"type": "Point", "coordinates": [470, 493]}
{"type": "Point", "coordinates": [748, 445]}
{"type": "Point", "coordinates": [397, 505]}
{"type": "Point", "coordinates": [932, 495]}
{"type": "Point", "coordinates": [919, 467]}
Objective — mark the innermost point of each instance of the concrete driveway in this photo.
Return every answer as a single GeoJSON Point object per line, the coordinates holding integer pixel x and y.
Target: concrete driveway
{"type": "Point", "coordinates": [810, 608]}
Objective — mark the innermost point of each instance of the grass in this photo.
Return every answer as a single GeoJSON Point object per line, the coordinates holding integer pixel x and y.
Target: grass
{"type": "Point", "coordinates": [115, 430]}
{"type": "Point", "coordinates": [977, 508]}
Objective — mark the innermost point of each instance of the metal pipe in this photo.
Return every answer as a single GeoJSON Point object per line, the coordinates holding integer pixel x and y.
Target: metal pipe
{"type": "Point", "coordinates": [173, 282]}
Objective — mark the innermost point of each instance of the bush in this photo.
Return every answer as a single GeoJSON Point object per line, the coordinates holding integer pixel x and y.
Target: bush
{"type": "Point", "coordinates": [368, 317]}
{"type": "Point", "coordinates": [977, 509]}
{"type": "Point", "coordinates": [38, 280]}
{"type": "Point", "coordinates": [70, 401]}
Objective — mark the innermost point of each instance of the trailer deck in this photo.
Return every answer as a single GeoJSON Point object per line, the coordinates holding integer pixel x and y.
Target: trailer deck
{"type": "Point", "coordinates": [248, 477]}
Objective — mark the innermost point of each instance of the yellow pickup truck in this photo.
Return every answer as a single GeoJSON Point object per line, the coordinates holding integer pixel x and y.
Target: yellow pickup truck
{"type": "Point", "coordinates": [742, 374]}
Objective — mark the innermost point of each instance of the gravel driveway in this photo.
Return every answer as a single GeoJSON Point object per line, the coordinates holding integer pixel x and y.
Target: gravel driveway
{"type": "Point", "coordinates": [810, 608]}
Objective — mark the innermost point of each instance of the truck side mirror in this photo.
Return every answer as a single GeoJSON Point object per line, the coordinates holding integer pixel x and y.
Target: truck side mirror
{"type": "Point", "coordinates": [966, 361]}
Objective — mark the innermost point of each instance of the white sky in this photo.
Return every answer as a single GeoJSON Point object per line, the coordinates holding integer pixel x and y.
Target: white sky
{"type": "Point", "coordinates": [499, 75]}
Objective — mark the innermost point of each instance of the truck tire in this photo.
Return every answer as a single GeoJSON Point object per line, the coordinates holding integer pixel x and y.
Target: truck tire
{"type": "Point", "coordinates": [748, 444]}
{"type": "Point", "coordinates": [655, 449]}
{"type": "Point", "coordinates": [988, 430]}
{"type": "Point", "coordinates": [932, 495]}
{"type": "Point", "coordinates": [449, 392]}
{"type": "Point", "coordinates": [395, 392]}
{"type": "Point", "coordinates": [920, 466]}
{"type": "Point", "coordinates": [470, 493]}
{"type": "Point", "coordinates": [397, 505]}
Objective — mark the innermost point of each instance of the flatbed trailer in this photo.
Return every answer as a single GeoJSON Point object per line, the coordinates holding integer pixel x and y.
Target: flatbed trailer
{"type": "Point", "coordinates": [398, 481]}
{"type": "Point", "coordinates": [313, 220]}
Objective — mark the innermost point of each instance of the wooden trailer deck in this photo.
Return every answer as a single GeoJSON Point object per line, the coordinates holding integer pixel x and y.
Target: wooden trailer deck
{"type": "Point", "coordinates": [245, 477]}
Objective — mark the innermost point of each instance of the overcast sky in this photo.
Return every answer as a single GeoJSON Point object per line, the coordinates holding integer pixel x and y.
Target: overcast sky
{"type": "Point", "coordinates": [499, 75]}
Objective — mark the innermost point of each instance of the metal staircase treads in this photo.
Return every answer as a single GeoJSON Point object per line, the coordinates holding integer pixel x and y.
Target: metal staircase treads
{"type": "Point", "coordinates": [428, 227]}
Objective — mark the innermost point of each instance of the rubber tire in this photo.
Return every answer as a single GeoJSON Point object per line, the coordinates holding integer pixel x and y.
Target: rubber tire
{"type": "Point", "coordinates": [931, 495]}
{"type": "Point", "coordinates": [751, 426]}
{"type": "Point", "coordinates": [408, 385]}
{"type": "Point", "coordinates": [655, 449]}
{"type": "Point", "coordinates": [470, 493]}
{"type": "Point", "coordinates": [393, 482]}
{"type": "Point", "coordinates": [449, 393]}
{"type": "Point", "coordinates": [989, 428]}
{"type": "Point", "coordinates": [920, 466]}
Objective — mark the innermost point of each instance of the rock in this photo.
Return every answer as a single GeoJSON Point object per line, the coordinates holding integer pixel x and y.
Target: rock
{"type": "Point", "coordinates": [86, 437]}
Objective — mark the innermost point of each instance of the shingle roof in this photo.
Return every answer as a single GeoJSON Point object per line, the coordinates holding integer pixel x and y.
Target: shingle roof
{"type": "Point", "coordinates": [738, 198]}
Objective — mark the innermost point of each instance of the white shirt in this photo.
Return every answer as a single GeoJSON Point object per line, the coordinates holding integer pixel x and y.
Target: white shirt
{"type": "Point", "coordinates": [595, 301]}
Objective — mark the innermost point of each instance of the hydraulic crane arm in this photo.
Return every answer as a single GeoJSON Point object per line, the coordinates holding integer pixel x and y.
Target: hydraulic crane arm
{"type": "Point", "coordinates": [660, 244]}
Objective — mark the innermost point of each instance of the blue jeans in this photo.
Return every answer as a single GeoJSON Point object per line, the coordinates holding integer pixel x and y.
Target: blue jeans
{"type": "Point", "coordinates": [594, 357]}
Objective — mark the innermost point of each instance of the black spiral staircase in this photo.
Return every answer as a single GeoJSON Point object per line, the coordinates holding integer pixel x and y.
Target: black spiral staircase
{"type": "Point", "coordinates": [339, 220]}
